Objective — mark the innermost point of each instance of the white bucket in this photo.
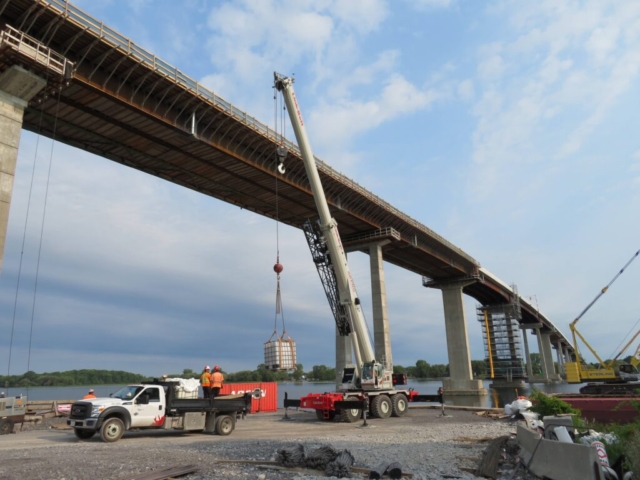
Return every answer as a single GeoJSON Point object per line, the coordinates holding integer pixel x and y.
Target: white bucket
{"type": "Point", "coordinates": [562, 434]}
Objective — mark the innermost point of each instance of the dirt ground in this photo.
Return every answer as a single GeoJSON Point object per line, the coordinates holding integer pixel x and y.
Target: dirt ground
{"type": "Point", "coordinates": [428, 444]}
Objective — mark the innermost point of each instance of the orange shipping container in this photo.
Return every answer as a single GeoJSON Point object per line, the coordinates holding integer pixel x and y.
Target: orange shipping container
{"type": "Point", "coordinates": [266, 393]}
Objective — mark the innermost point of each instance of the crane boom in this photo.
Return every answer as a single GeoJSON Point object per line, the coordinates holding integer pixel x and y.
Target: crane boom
{"type": "Point", "coordinates": [346, 288]}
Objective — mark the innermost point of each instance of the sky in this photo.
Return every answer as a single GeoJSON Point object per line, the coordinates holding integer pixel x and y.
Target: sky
{"type": "Point", "coordinates": [507, 127]}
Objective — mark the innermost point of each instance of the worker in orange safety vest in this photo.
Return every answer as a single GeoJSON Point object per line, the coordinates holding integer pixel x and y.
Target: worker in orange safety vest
{"type": "Point", "coordinates": [205, 381]}
{"type": "Point", "coordinates": [90, 395]}
{"type": "Point", "coordinates": [216, 381]}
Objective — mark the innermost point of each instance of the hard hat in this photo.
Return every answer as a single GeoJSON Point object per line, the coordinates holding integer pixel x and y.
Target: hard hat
{"type": "Point", "coordinates": [91, 390]}
{"type": "Point", "coordinates": [216, 368]}
{"type": "Point", "coordinates": [207, 367]}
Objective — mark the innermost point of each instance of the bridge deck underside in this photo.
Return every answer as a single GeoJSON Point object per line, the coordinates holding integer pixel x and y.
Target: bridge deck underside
{"type": "Point", "coordinates": [120, 108]}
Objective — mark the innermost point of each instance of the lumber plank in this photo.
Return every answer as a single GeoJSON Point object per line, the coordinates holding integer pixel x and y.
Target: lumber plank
{"type": "Point", "coordinates": [164, 474]}
{"type": "Point", "coordinates": [488, 467]}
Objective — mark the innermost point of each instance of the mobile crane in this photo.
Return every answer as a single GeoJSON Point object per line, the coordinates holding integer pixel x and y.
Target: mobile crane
{"type": "Point", "coordinates": [368, 378]}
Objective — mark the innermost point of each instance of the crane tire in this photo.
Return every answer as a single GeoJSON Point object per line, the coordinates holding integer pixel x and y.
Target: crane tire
{"type": "Point", "coordinates": [350, 415]}
{"type": "Point", "coordinates": [83, 434]}
{"type": "Point", "coordinates": [381, 406]}
{"type": "Point", "coordinates": [399, 405]}
{"type": "Point", "coordinates": [112, 430]}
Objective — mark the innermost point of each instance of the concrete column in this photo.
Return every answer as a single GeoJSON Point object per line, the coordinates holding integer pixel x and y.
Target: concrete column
{"type": "Point", "coordinates": [543, 362]}
{"type": "Point", "coordinates": [527, 356]}
{"type": "Point", "coordinates": [17, 87]}
{"type": "Point", "coordinates": [560, 355]}
{"type": "Point", "coordinates": [460, 379]}
{"type": "Point", "coordinates": [548, 356]}
{"type": "Point", "coordinates": [344, 356]}
{"type": "Point", "coordinates": [381, 334]}
{"type": "Point", "coordinates": [567, 355]}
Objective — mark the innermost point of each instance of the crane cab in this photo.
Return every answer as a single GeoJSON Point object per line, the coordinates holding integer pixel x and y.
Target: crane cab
{"type": "Point", "coordinates": [375, 377]}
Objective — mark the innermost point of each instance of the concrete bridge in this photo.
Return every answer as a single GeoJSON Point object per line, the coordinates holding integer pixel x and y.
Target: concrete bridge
{"type": "Point", "coordinates": [66, 75]}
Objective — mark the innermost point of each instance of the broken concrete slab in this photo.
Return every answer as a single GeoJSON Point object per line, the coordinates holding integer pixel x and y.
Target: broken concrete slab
{"type": "Point", "coordinates": [557, 460]}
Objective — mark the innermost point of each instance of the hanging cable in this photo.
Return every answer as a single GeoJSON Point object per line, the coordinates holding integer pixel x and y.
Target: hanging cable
{"type": "Point", "coordinates": [44, 213]}
{"type": "Point", "coordinates": [278, 268]}
{"type": "Point", "coordinates": [24, 234]}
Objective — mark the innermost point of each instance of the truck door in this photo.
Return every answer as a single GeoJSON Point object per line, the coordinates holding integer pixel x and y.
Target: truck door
{"type": "Point", "coordinates": [148, 408]}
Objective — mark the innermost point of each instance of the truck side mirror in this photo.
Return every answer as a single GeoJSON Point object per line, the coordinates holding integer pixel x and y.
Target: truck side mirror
{"type": "Point", "coordinates": [143, 400]}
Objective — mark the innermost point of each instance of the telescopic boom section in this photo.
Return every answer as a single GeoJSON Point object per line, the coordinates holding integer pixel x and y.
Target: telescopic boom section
{"type": "Point", "coordinates": [347, 291]}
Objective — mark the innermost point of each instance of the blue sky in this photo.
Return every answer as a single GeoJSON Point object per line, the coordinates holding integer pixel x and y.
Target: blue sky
{"type": "Point", "coordinates": [509, 128]}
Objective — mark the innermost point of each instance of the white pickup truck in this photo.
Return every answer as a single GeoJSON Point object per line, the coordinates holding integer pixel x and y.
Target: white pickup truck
{"type": "Point", "coordinates": [155, 406]}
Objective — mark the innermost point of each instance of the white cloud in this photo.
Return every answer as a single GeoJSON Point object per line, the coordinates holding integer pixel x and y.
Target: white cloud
{"type": "Point", "coordinates": [431, 4]}
{"type": "Point", "coordinates": [557, 80]}
{"type": "Point", "coordinates": [340, 121]}
{"type": "Point", "coordinates": [465, 89]}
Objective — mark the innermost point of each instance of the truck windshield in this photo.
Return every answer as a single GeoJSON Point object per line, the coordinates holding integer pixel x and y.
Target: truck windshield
{"type": "Point", "coordinates": [128, 392]}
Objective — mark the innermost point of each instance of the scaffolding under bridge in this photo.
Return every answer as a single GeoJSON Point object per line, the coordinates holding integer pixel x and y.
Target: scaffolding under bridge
{"type": "Point", "coordinates": [502, 341]}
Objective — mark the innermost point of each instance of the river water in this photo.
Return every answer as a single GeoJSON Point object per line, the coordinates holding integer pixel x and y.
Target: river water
{"type": "Point", "coordinates": [495, 398]}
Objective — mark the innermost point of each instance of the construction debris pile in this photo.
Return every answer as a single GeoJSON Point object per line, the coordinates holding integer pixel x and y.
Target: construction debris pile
{"type": "Point", "coordinates": [334, 463]}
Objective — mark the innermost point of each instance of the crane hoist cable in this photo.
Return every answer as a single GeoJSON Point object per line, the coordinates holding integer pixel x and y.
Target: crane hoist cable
{"type": "Point", "coordinates": [605, 288]}
{"type": "Point", "coordinates": [44, 214]}
{"type": "Point", "coordinates": [280, 350]}
{"type": "Point", "coordinates": [26, 222]}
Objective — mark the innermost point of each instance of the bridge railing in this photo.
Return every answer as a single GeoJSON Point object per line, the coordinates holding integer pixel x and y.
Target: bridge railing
{"type": "Point", "coordinates": [128, 47]}
{"type": "Point", "coordinates": [32, 48]}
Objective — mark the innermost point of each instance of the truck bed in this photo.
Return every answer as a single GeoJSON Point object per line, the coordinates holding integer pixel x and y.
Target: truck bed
{"type": "Point", "coordinates": [223, 403]}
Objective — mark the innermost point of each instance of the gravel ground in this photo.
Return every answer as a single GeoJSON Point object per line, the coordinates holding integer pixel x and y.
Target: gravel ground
{"type": "Point", "coordinates": [427, 445]}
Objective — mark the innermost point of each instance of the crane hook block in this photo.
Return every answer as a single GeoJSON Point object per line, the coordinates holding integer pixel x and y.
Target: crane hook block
{"type": "Point", "coordinates": [281, 152]}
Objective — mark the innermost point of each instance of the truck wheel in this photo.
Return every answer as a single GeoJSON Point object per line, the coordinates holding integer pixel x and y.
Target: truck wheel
{"type": "Point", "coordinates": [224, 425]}
{"type": "Point", "coordinates": [381, 407]}
{"type": "Point", "coordinates": [350, 415]}
{"type": "Point", "coordinates": [6, 426]}
{"type": "Point", "coordinates": [399, 405]}
{"type": "Point", "coordinates": [112, 430]}
{"type": "Point", "coordinates": [83, 434]}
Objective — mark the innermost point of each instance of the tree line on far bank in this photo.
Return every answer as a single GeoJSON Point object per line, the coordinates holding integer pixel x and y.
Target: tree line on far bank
{"type": "Point", "coordinates": [71, 378]}
{"type": "Point", "coordinates": [421, 370]}
{"type": "Point", "coordinates": [93, 377]}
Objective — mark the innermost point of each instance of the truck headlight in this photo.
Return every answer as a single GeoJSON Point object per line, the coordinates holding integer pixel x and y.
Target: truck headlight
{"type": "Point", "coordinates": [96, 410]}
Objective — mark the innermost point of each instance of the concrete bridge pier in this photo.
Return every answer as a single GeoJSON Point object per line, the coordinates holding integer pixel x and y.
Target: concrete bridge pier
{"type": "Point", "coordinates": [527, 356]}
{"type": "Point", "coordinates": [381, 333]}
{"type": "Point", "coordinates": [548, 357]}
{"type": "Point", "coordinates": [17, 87]}
{"type": "Point", "coordinates": [344, 356]}
{"type": "Point", "coordinates": [560, 354]}
{"type": "Point", "coordinates": [460, 381]}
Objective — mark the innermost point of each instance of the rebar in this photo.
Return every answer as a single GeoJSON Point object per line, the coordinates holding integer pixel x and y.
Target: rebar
{"type": "Point", "coordinates": [321, 457]}
{"type": "Point", "coordinates": [341, 466]}
{"type": "Point", "coordinates": [292, 456]}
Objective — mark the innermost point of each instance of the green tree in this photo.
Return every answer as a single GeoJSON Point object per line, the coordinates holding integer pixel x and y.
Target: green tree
{"type": "Point", "coordinates": [298, 373]}
{"type": "Point", "coordinates": [438, 371]}
{"type": "Point", "coordinates": [479, 368]}
{"type": "Point", "coordinates": [536, 364]}
{"type": "Point", "coordinates": [422, 369]}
